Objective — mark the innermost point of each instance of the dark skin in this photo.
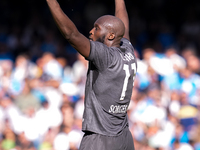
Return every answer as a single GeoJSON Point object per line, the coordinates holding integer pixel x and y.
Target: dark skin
{"type": "Point", "coordinates": [107, 29]}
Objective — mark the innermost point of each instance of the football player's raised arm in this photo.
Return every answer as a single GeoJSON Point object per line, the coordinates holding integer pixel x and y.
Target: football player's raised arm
{"type": "Point", "coordinates": [68, 29]}
{"type": "Point", "coordinates": [121, 12]}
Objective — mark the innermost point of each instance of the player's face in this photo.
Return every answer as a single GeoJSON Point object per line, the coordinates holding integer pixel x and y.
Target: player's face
{"type": "Point", "coordinates": [99, 32]}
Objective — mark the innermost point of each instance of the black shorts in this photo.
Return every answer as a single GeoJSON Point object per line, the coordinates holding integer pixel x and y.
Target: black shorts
{"type": "Point", "coordinates": [93, 141]}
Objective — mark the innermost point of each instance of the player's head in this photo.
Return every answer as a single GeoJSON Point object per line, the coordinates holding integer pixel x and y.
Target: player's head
{"type": "Point", "coordinates": [107, 29]}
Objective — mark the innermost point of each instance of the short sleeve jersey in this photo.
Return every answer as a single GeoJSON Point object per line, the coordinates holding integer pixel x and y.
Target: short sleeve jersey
{"type": "Point", "coordinates": [108, 90]}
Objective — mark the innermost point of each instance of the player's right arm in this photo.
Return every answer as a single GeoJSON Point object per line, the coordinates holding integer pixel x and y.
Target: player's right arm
{"type": "Point", "coordinates": [121, 13]}
{"type": "Point", "coordinates": [68, 29]}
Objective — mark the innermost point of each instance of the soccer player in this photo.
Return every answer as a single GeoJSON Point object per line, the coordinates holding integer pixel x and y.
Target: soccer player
{"type": "Point", "coordinates": [110, 77]}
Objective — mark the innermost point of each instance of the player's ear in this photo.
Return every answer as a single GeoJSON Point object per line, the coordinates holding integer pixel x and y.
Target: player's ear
{"type": "Point", "coordinates": [111, 36]}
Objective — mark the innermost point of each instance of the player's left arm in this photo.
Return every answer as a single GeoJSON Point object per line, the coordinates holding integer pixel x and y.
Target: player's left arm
{"type": "Point", "coordinates": [68, 29]}
{"type": "Point", "coordinates": [121, 13]}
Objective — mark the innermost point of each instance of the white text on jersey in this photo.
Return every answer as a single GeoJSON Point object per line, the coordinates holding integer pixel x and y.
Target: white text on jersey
{"type": "Point", "coordinates": [118, 108]}
{"type": "Point", "coordinates": [127, 57]}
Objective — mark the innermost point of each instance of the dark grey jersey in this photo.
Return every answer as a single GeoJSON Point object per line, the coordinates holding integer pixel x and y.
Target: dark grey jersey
{"type": "Point", "coordinates": [109, 86]}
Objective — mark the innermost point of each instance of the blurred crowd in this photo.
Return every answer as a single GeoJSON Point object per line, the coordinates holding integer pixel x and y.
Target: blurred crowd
{"type": "Point", "coordinates": [41, 103]}
{"type": "Point", "coordinates": [42, 77]}
{"type": "Point", "coordinates": [164, 111]}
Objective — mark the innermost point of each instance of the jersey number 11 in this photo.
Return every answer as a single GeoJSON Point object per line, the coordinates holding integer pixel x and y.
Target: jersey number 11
{"type": "Point", "coordinates": [127, 73]}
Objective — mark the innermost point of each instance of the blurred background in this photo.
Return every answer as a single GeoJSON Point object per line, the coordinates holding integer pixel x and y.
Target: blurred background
{"type": "Point", "coordinates": [42, 77]}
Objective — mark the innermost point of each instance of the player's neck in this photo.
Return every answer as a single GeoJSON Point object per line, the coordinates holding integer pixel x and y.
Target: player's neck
{"type": "Point", "coordinates": [112, 43]}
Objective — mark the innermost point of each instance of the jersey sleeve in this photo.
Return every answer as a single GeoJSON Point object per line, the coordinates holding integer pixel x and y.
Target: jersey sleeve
{"type": "Point", "coordinates": [100, 55]}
